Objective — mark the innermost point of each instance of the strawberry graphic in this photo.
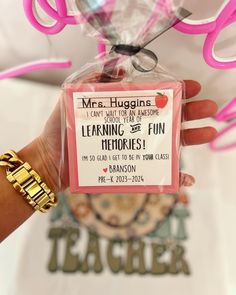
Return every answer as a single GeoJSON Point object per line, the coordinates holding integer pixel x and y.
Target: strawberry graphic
{"type": "Point", "coordinates": [161, 100]}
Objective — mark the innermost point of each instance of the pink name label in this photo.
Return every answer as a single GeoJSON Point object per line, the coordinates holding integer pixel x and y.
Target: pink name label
{"type": "Point", "coordinates": [124, 137]}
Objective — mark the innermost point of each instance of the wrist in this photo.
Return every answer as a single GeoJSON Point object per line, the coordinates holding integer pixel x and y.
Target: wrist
{"type": "Point", "coordinates": [38, 157]}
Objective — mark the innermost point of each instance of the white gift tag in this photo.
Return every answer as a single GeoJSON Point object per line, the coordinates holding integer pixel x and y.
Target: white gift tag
{"type": "Point", "coordinates": [124, 138]}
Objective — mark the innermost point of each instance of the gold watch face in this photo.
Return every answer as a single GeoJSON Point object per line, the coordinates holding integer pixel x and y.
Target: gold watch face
{"type": "Point", "coordinates": [120, 216]}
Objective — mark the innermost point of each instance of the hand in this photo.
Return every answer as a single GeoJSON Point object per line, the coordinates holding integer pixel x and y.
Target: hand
{"type": "Point", "coordinates": [195, 111]}
{"type": "Point", "coordinates": [49, 142]}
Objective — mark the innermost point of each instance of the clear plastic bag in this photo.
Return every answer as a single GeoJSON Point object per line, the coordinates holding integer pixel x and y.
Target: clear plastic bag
{"type": "Point", "coordinates": [123, 111]}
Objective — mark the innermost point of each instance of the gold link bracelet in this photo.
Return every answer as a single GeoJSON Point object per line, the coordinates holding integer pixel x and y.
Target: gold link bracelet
{"type": "Point", "coordinates": [27, 182]}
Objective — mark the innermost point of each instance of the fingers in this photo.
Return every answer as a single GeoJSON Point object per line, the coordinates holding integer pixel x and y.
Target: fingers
{"type": "Point", "coordinates": [198, 135]}
{"type": "Point", "coordinates": [195, 111]}
{"type": "Point", "coordinates": [192, 88]}
{"type": "Point", "coordinates": [199, 110]}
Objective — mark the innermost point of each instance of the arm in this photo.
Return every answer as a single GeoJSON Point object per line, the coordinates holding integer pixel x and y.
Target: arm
{"type": "Point", "coordinates": [14, 210]}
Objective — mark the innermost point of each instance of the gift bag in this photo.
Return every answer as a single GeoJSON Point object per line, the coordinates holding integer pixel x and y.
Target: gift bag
{"type": "Point", "coordinates": [123, 111]}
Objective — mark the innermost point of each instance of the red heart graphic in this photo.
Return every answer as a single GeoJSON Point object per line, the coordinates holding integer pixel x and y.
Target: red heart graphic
{"type": "Point", "coordinates": [105, 170]}
{"type": "Point", "coordinates": [161, 100]}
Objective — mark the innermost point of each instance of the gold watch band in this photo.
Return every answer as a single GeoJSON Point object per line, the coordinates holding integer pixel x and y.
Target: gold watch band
{"type": "Point", "coordinates": [27, 182]}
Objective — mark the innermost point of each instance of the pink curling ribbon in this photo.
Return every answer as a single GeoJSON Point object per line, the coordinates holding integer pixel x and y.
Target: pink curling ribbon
{"type": "Point", "coordinates": [33, 67]}
{"type": "Point", "coordinates": [59, 15]}
{"type": "Point", "coordinates": [212, 28]}
{"type": "Point", "coordinates": [61, 19]}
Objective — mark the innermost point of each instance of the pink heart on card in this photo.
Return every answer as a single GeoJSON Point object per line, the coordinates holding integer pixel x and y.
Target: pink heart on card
{"type": "Point", "coordinates": [105, 170]}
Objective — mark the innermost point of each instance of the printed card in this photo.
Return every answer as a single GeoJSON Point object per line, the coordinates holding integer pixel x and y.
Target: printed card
{"type": "Point", "coordinates": [124, 137]}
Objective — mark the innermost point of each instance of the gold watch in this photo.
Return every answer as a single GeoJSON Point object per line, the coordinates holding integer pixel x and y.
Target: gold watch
{"type": "Point", "coordinates": [27, 182]}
